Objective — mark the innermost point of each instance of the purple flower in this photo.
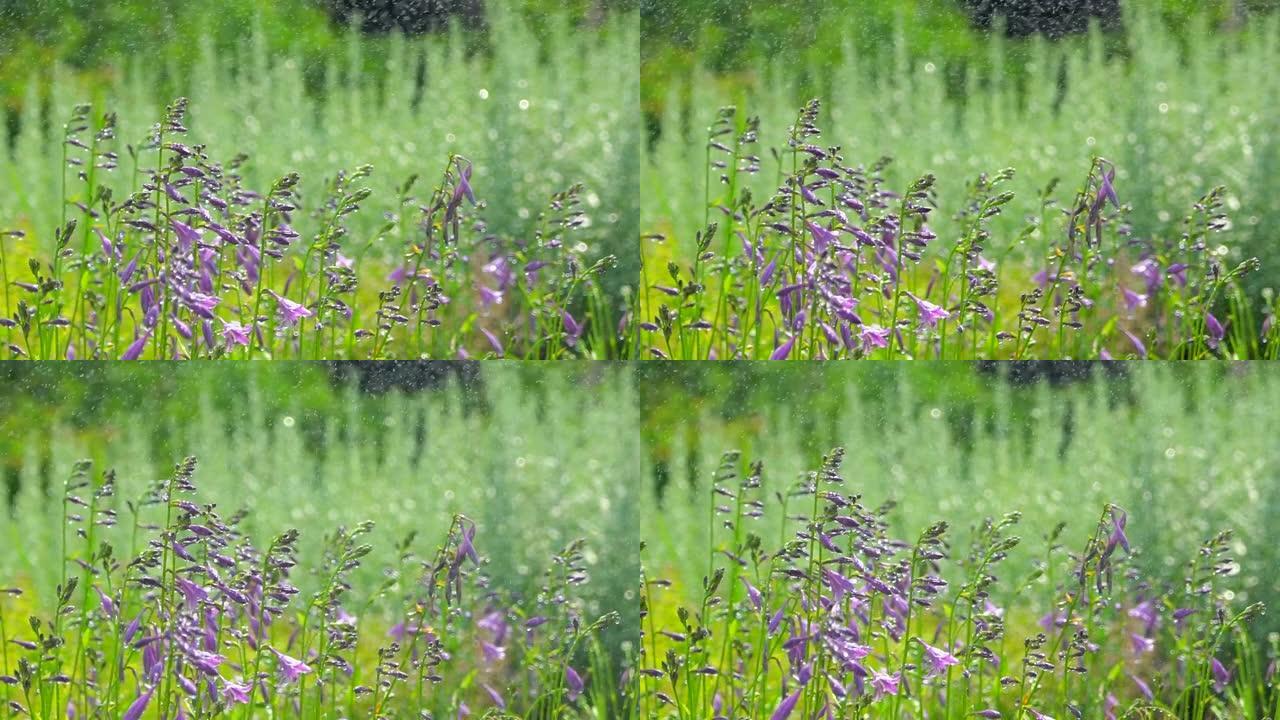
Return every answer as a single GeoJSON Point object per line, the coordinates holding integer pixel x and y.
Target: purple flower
{"type": "Point", "coordinates": [1149, 270]}
{"type": "Point", "coordinates": [495, 697]}
{"type": "Point", "coordinates": [873, 336]}
{"type": "Point", "coordinates": [1215, 329]}
{"type": "Point", "coordinates": [574, 682]}
{"type": "Point", "coordinates": [138, 706]}
{"type": "Point", "coordinates": [1143, 687]}
{"type": "Point", "coordinates": [106, 603]}
{"type": "Point", "coordinates": [492, 653]}
{"type": "Point", "coordinates": [1119, 518]}
{"type": "Point", "coordinates": [753, 594]}
{"type": "Point", "coordinates": [134, 351]}
{"type": "Point", "coordinates": [129, 268]}
{"type": "Point", "coordinates": [822, 237]}
{"type": "Point", "coordinates": [233, 333]}
{"type": "Point", "coordinates": [489, 296]}
{"type": "Point", "coordinates": [1107, 191]}
{"type": "Point", "coordinates": [1178, 273]}
{"type": "Point", "coordinates": [235, 692]}
{"type": "Point", "coordinates": [1137, 344]}
{"type": "Point", "coordinates": [1141, 644]}
{"type": "Point", "coordinates": [572, 328]}
{"type": "Point", "coordinates": [193, 593]}
{"type": "Point", "coordinates": [783, 350]}
{"type": "Point", "coordinates": [464, 181]}
{"type": "Point", "coordinates": [766, 275]}
{"type": "Point", "coordinates": [1221, 675]}
{"type": "Point", "coordinates": [187, 236]}
{"type": "Point", "coordinates": [493, 341]}
{"type": "Point", "coordinates": [930, 314]}
{"type": "Point", "coordinates": [939, 660]}
{"type": "Point", "coordinates": [884, 683]}
{"type": "Point", "coordinates": [290, 311]}
{"type": "Point", "coordinates": [988, 713]}
{"type": "Point", "coordinates": [783, 711]}
{"type": "Point", "coordinates": [1133, 300]}
{"type": "Point", "coordinates": [290, 668]}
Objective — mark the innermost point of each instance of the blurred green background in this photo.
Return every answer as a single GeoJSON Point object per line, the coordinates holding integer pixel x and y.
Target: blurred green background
{"type": "Point", "coordinates": [92, 36]}
{"type": "Point", "coordinates": [737, 39]}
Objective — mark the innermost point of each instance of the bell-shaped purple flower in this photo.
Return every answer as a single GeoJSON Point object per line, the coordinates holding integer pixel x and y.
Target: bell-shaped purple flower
{"type": "Point", "coordinates": [290, 668]}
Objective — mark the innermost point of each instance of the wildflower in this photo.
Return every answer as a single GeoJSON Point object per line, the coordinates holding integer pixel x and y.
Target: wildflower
{"type": "Point", "coordinates": [138, 706]}
{"type": "Point", "coordinates": [235, 692]}
{"type": "Point", "coordinates": [884, 683]}
{"type": "Point", "coordinates": [822, 237]}
{"type": "Point", "coordinates": [192, 592]}
{"type": "Point", "coordinates": [753, 594]}
{"type": "Point", "coordinates": [1149, 270]}
{"type": "Point", "coordinates": [783, 350]}
{"type": "Point", "coordinates": [1137, 344]}
{"type": "Point", "coordinates": [1215, 329]}
{"type": "Point", "coordinates": [1119, 518]}
{"type": "Point", "coordinates": [1141, 644]}
{"type": "Point", "coordinates": [187, 236]}
{"type": "Point", "coordinates": [930, 314]}
{"type": "Point", "coordinates": [134, 351]}
{"type": "Point", "coordinates": [1221, 675]}
{"type": "Point", "coordinates": [572, 328]}
{"type": "Point", "coordinates": [495, 697]}
{"type": "Point", "coordinates": [873, 336]}
{"type": "Point", "coordinates": [1143, 687]}
{"type": "Point", "coordinates": [233, 333]}
{"type": "Point", "coordinates": [939, 660]}
{"type": "Point", "coordinates": [492, 653]}
{"type": "Point", "coordinates": [290, 311]}
{"type": "Point", "coordinates": [766, 275]}
{"type": "Point", "coordinates": [1133, 300]}
{"type": "Point", "coordinates": [106, 603]}
{"type": "Point", "coordinates": [493, 341]}
{"type": "Point", "coordinates": [783, 711]}
{"type": "Point", "coordinates": [988, 713]}
{"type": "Point", "coordinates": [290, 668]}
{"type": "Point", "coordinates": [574, 683]}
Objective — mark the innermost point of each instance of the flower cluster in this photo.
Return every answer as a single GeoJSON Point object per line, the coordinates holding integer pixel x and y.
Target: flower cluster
{"type": "Point", "coordinates": [837, 266]}
{"type": "Point", "coordinates": [200, 623]}
{"type": "Point", "coordinates": [195, 265]}
{"type": "Point", "coordinates": [844, 620]}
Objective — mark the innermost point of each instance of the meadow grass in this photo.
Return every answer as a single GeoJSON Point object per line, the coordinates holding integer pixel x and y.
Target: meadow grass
{"type": "Point", "coordinates": [1175, 118]}
{"type": "Point", "coordinates": [536, 114]}
{"type": "Point", "coordinates": [534, 465]}
{"type": "Point", "coordinates": [841, 615]}
{"type": "Point", "coordinates": [1184, 449]}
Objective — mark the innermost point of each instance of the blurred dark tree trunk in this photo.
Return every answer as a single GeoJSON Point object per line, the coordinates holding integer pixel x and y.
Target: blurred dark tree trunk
{"type": "Point", "coordinates": [1053, 18]}
{"type": "Point", "coordinates": [405, 375]}
{"type": "Point", "coordinates": [408, 16]}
